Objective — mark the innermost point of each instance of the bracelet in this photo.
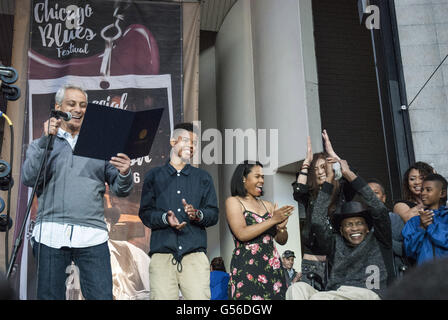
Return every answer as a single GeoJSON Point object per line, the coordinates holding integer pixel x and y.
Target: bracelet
{"type": "Point", "coordinates": [303, 173]}
{"type": "Point", "coordinates": [306, 166]}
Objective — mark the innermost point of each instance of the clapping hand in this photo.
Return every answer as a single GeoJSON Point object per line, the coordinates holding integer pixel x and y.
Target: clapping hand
{"type": "Point", "coordinates": [283, 224]}
{"type": "Point", "coordinates": [329, 169]}
{"type": "Point", "coordinates": [190, 210]}
{"type": "Point", "coordinates": [328, 146]}
{"type": "Point", "coordinates": [426, 217]}
{"type": "Point", "coordinates": [415, 211]}
{"type": "Point", "coordinates": [173, 222]}
{"type": "Point", "coordinates": [346, 171]}
{"type": "Point", "coordinates": [283, 213]}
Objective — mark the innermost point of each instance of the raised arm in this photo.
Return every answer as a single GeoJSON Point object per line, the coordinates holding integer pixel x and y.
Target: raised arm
{"type": "Point", "coordinates": [319, 215]}
{"type": "Point", "coordinates": [299, 186]}
{"type": "Point", "coordinates": [377, 209]}
{"type": "Point", "coordinates": [328, 146]}
{"type": "Point", "coordinates": [302, 178]}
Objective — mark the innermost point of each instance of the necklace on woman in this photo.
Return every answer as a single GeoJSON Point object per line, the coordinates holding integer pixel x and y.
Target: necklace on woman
{"type": "Point", "coordinates": [260, 206]}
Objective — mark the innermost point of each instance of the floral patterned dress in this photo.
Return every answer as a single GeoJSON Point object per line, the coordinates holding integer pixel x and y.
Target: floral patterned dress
{"type": "Point", "coordinates": [256, 272]}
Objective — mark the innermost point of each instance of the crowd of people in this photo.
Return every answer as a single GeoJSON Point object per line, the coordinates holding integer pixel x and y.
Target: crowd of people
{"type": "Point", "coordinates": [349, 249]}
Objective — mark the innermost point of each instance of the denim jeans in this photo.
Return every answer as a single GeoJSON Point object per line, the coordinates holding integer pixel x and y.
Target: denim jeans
{"type": "Point", "coordinates": [95, 271]}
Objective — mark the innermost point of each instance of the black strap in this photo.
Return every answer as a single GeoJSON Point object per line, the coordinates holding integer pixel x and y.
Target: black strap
{"type": "Point", "coordinates": [264, 206]}
{"type": "Point", "coordinates": [251, 211]}
{"type": "Point", "coordinates": [241, 203]}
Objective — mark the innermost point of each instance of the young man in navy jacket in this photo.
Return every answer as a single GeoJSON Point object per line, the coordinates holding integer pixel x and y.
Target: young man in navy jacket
{"type": "Point", "coordinates": [178, 203]}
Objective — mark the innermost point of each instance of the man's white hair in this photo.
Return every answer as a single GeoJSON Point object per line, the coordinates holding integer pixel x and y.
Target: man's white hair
{"type": "Point", "coordinates": [59, 97]}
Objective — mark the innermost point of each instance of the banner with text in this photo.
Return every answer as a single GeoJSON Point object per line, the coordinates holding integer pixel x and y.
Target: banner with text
{"type": "Point", "coordinates": [126, 55]}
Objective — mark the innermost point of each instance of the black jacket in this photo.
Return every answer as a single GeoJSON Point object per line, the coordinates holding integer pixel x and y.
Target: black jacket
{"type": "Point", "coordinates": [163, 190]}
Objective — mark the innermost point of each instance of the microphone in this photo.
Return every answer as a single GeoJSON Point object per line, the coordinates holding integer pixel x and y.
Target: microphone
{"type": "Point", "coordinates": [58, 114]}
{"type": "Point", "coordinates": [5, 223]}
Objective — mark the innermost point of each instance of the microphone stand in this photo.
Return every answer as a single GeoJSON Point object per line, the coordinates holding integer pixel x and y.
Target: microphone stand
{"type": "Point", "coordinates": [19, 239]}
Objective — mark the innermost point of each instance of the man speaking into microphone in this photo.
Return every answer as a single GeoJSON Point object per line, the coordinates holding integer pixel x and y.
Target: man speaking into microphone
{"type": "Point", "coordinates": [70, 223]}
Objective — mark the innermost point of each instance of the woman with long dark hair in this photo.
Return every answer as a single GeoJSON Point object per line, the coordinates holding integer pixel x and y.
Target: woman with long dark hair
{"type": "Point", "coordinates": [311, 180]}
{"type": "Point", "coordinates": [411, 202]}
{"type": "Point", "coordinates": [255, 268]}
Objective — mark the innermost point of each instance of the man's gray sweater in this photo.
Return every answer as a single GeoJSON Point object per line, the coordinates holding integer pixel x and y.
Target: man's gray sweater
{"type": "Point", "coordinates": [355, 265]}
{"type": "Point", "coordinates": [74, 186]}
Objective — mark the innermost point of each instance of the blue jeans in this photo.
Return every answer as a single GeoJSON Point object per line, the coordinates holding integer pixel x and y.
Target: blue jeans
{"type": "Point", "coordinates": [95, 271]}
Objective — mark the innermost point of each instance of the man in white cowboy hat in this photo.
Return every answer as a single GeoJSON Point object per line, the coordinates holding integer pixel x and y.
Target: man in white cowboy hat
{"type": "Point", "coordinates": [360, 254]}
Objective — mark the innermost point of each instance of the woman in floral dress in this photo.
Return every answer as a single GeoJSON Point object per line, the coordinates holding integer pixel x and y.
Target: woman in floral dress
{"type": "Point", "coordinates": [255, 268]}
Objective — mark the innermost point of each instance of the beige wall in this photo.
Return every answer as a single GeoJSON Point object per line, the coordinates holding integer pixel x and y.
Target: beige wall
{"type": "Point", "coordinates": [235, 96]}
{"type": "Point", "coordinates": [191, 24]}
{"type": "Point", "coordinates": [262, 49]}
{"type": "Point", "coordinates": [207, 116]}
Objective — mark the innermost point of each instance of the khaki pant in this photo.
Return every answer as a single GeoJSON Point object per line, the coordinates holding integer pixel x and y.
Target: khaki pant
{"type": "Point", "coordinates": [303, 291]}
{"type": "Point", "coordinates": [193, 281]}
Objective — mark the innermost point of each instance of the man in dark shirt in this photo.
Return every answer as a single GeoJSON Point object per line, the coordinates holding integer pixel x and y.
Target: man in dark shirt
{"type": "Point", "coordinates": [401, 262]}
{"type": "Point", "coordinates": [178, 202]}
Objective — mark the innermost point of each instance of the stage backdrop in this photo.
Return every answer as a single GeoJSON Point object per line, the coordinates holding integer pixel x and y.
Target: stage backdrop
{"type": "Point", "coordinates": [128, 56]}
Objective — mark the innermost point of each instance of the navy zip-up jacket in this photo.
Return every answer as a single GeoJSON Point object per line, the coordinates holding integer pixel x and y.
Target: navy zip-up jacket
{"type": "Point", "coordinates": [163, 190]}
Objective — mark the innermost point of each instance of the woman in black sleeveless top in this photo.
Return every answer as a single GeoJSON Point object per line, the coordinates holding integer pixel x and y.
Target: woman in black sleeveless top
{"type": "Point", "coordinates": [255, 268]}
{"type": "Point", "coordinates": [411, 202]}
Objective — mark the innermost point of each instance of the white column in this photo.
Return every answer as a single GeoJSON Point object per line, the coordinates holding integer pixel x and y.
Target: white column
{"type": "Point", "coordinates": [267, 79]}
